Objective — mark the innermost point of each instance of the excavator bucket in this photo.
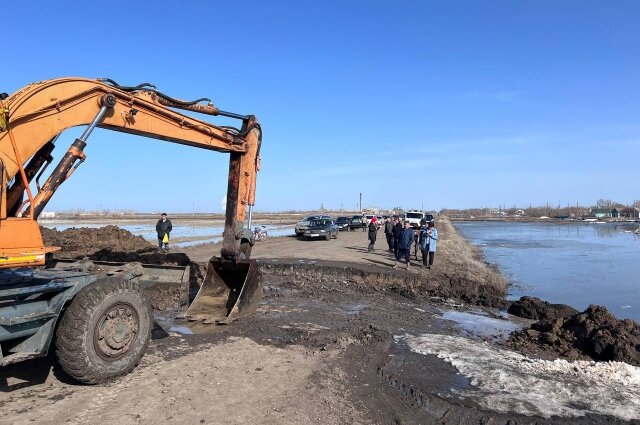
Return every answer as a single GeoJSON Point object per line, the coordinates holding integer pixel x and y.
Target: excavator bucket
{"type": "Point", "coordinates": [229, 291]}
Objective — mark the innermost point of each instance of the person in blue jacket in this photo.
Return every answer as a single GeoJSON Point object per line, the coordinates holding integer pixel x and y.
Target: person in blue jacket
{"type": "Point", "coordinates": [424, 243]}
{"type": "Point", "coordinates": [429, 243]}
{"type": "Point", "coordinates": [405, 240]}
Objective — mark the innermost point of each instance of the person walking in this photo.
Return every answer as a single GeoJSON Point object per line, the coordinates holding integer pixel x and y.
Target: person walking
{"type": "Point", "coordinates": [424, 244]}
{"type": "Point", "coordinates": [373, 233]}
{"type": "Point", "coordinates": [388, 232]}
{"type": "Point", "coordinates": [397, 229]}
{"type": "Point", "coordinates": [433, 240]}
{"type": "Point", "coordinates": [163, 228]}
{"type": "Point", "coordinates": [404, 245]}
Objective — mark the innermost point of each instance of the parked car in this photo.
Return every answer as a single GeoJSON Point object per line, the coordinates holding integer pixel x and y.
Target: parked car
{"type": "Point", "coordinates": [343, 223]}
{"type": "Point", "coordinates": [357, 222]}
{"type": "Point", "coordinates": [302, 225]}
{"type": "Point", "coordinates": [321, 228]}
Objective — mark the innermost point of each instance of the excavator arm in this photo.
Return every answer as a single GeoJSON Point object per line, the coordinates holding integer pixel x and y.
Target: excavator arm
{"type": "Point", "coordinates": [32, 118]}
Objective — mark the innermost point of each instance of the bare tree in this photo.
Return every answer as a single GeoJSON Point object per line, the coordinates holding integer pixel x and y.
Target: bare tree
{"type": "Point", "coordinates": [604, 203]}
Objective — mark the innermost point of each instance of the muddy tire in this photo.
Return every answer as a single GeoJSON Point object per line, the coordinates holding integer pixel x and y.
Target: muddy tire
{"type": "Point", "coordinates": [104, 332]}
{"type": "Point", "coordinates": [327, 236]}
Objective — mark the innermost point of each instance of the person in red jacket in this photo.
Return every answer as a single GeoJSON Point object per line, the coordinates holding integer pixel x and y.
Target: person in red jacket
{"type": "Point", "coordinates": [373, 233]}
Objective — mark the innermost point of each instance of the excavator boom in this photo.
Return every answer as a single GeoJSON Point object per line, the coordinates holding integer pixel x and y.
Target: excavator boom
{"type": "Point", "coordinates": [32, 118]}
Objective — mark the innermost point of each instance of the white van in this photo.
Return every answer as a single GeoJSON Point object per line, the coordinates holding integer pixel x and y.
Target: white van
{"type": "Point", "coordinates": [414, 218]}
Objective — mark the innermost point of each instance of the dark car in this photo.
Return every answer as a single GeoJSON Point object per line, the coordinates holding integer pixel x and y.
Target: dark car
{"type": "Point", "coordinates": [357, 222]}
{"type": "Point", "coordinates": [428, 218]}
{"type": "Point", "coordinates": [343, 223]}
{"type": "Point", "coordinates": [321, 228]}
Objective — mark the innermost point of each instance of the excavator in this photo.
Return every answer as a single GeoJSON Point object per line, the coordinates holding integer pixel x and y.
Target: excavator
{"type": "Point", "coordinates": [98, 317]}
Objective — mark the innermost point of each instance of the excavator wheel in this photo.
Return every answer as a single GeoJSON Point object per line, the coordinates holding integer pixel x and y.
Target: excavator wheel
{"type": "Point", "coordinates": [104, 332]}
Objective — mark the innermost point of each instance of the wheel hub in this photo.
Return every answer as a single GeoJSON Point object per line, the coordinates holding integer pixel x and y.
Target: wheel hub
{"type": "Point", "coordinates": [116, 331]}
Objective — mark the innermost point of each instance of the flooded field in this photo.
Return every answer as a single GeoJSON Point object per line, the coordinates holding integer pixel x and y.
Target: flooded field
{"type": "Point", "coordinates": [575, 264]}
{"type": "Point", "coordinates": [184, 234]}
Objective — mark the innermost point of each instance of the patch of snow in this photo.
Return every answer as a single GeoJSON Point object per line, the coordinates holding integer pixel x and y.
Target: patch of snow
{"type": "Point", "coordinates": [506, 381]}
{"type": "Point", "coordinates": [480, 325]}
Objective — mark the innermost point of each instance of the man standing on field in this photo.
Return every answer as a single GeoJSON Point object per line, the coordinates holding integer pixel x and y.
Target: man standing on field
{"type": "Point", "coordinates": [404, 245]}
{"type": "Point", "coordinates": [397, 229]}
{"type": "Point", "coordinates": [388, 232]}
{"type": "Point", "coordinates": [163, 228]}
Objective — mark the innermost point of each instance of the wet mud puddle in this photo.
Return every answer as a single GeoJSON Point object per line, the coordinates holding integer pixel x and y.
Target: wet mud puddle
{"type": "Point", "coordinates": [172, 324]}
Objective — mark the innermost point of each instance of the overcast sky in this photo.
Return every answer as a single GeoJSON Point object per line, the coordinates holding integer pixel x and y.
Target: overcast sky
{"type": "Point", "coordinates": [414, 103]}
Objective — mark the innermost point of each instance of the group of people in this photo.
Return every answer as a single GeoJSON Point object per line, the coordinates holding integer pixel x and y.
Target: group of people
{"type": "Point", "coordinates": [400, 238]}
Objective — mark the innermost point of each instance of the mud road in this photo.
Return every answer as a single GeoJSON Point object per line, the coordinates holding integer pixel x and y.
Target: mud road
{"type": "Point", "coordinates": [331, 343]}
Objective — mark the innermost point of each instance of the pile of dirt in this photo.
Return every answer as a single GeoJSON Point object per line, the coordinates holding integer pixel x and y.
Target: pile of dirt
{"type": "Point", "coordinates": [595, 333]}
{"type": "Point", "coordinates": [83, 241]}
{"type": "Point", "coordinates": [536, 309]}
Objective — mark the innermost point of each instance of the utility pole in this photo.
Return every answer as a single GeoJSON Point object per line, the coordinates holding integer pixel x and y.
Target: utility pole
{"type": "Point", "coordinates": [360, 201]}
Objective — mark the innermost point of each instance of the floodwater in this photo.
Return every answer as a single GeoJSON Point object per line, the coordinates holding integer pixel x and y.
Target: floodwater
{"type": "Point", "coordinates": [571, 263]}
{"type": "Point", "coordinates": [182, 236]}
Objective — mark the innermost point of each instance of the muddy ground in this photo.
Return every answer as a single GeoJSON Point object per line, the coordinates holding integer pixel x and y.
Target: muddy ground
{"type": "Point", "coordinates": [320, 349]}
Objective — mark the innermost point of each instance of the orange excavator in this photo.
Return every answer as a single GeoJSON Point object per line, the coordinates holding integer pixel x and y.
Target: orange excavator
{"type": "Point", "coordinates": [102, 322]}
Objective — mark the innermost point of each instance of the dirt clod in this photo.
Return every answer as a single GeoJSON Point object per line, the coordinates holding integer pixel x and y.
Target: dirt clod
{"type": "Point", "coordinates": [536, 309]}
{"type": "Point", "coordinates": [595, 333]}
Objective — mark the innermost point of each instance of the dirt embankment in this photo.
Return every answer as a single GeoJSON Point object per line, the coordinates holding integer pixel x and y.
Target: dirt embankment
{"type": "Point", "coordinates": [593, 334]}
{"type": "Point", "coordinates": [459, 271]}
